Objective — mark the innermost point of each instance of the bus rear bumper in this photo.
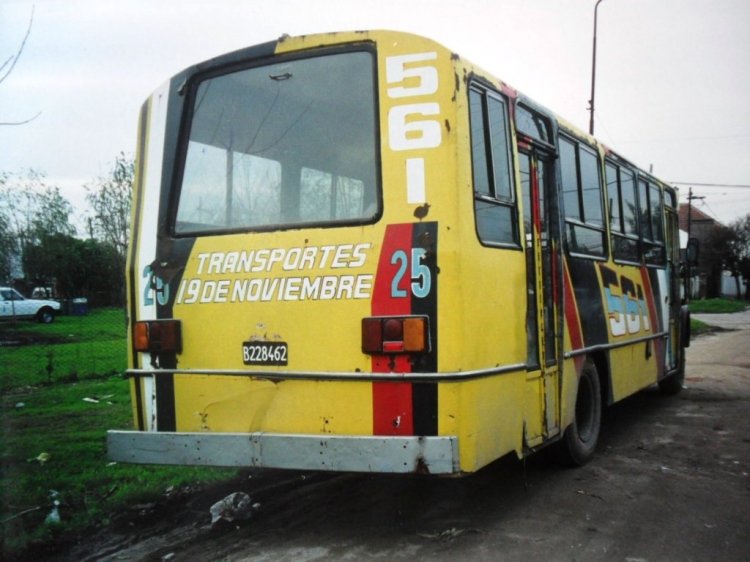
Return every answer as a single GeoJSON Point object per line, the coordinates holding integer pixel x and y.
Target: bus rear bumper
{"type": "Point", "coordinates": [341, 453]}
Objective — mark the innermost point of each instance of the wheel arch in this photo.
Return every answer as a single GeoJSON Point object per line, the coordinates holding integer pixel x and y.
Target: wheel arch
{"type": "Point", "coordinates": [579, 438]}
{"type": "Point", "coordinates": [601, 361]}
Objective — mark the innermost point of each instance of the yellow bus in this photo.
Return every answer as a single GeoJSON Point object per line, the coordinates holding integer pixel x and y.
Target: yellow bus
{"type": "Point", "coordinates": [360, 252]}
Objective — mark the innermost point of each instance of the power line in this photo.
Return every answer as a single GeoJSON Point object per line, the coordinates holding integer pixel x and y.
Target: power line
{"type": "Point", "coordinates": [696, 184]}
{"type": "Point", "coordinates": [682, 139]}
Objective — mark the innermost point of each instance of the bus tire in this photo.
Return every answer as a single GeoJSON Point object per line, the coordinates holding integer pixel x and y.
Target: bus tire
{"type": "Point", "coordinates": [579, 441]}
{"type": "Point", "coordinates": [673, 384]}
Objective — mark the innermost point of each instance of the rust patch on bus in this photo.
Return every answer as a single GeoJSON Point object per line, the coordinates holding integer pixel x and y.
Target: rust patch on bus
{"type": "Point", "coordinates": [422, 211]}
{"type": "Point", "coordinates": [422, 467]}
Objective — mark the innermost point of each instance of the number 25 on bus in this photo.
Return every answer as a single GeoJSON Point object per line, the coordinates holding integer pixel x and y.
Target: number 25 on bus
{"type": "Point", "coordinates": [359, 252]}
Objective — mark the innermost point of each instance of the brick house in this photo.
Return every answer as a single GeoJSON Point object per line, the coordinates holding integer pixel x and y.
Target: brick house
{"type": "Point", "coordinates": [701, 227]}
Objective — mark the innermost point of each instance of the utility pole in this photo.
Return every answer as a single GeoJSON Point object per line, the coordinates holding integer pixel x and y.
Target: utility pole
{"type": "Point", "coordinates": [593, 73]}
{"type": "Point", "coordinates": [690, 208]}
{"type": "Point", "coordinates": [690, 235]}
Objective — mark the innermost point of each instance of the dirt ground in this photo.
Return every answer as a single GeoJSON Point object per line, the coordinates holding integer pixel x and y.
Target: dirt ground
{"type": "Point", "coordinates": [670, 482]}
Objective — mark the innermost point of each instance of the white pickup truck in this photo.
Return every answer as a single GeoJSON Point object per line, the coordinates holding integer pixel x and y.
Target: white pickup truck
{"type": "Point", "coordinates": [15, 305]}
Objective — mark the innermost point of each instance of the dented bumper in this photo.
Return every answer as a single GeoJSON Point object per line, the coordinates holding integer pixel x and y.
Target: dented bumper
{"type": "Point", "coordinates": [341, 453]}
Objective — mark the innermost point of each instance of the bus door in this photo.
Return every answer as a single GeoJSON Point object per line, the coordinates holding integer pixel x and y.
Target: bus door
{"type": "Point", "coordinates": [543, 406]}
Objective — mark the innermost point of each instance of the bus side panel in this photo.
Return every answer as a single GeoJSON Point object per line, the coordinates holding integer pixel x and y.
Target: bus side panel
{"type": "Point", "coordinates": [482, 291]}
{"type": "Point", "coordinates": [617, 304]}
{"type": "Point", "coordinates": [136, 389]}
{"type": "Point", "coordinates": [632, 369]}
{"type": "Point", "coordinates": [659, 280]}
{"type": "Point", "coordinates": [487, 416]}
{"type": "Point", "coordinates": [482, 320]}
{"type": "Point", "coordinates": [572, 339]}
{"type": "Point", "coordinates": [584, 276]}
{"type": "Point", "coordinates": [142, 250]}
{"type": "Point", "coordinates": [639, 294]}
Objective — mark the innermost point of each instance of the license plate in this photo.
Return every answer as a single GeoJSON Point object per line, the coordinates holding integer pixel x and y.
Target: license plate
{"type": "Point", "coordinates": [265, 353]}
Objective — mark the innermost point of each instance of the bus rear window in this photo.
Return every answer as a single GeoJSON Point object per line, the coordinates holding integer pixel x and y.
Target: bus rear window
{"type": "Point", "coordinates": [282, 145]}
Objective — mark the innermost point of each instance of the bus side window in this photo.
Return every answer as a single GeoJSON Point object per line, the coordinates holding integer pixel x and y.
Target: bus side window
{"type": "Point", "coordinates": [494, 202]}
{"type": "Point", "coordinates": [623, 213]}
{"type": "Point", "coordinates": [652, 232]}
{"type": "Point", "coordinates": [582, 198]}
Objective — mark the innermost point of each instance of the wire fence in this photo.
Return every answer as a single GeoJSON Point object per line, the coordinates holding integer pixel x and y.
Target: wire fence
{"type": "Point", "coordinates": [77, 343]}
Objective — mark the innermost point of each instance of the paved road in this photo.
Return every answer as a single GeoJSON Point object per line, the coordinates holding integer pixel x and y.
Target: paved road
{"type": "Point", "coordinates": [733, 321]}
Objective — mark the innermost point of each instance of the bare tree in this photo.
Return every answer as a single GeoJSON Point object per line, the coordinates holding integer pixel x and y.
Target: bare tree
{"type": "Point", "coordinates": [10, 63]}
{"type": "Point", "coordinates": [8, 242]}
{"type": "Point", "coordinates": [109, 198]}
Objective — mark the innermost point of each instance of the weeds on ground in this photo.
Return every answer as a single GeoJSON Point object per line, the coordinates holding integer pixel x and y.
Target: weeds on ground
{"type": "Point", "coordinates": [715, 306]}
{"type": "Point", "coordinates": [55, 478]}
{"type": "Point", "coordinates": [698, 328]}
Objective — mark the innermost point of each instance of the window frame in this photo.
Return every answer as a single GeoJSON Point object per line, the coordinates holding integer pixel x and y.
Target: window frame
{"type": "Point", "coordinates": [619, 233]}
{"type": "Point", "coordinates": [539, 120]}
{"type": "Point", "coordinates": [579, 222]}
{"type": "Point", "coordinates": [493, 199]}
{"type": "Point", "coordinates": [653, 249]}
{"type": "Point", "coordinates": [189, 89]}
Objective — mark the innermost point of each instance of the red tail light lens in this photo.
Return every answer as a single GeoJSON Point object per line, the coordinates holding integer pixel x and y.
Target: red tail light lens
{"type": "Point", "coordinates": [397, 334]}
{"type": "Point", "coordinates": [155, 336]}
{"type": "Point", "coordinates": [393, 329]}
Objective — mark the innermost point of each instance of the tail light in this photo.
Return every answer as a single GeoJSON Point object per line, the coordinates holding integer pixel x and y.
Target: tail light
{"type": "Point", "coordinates": [395, 334]}
{"type": "Point", "coordinates": [156, 336]}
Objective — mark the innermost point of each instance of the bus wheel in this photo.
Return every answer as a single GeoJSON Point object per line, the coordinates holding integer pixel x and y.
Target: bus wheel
{"type": "Point", "coordinates": [673, 383]}
{"type": "Point", "coordinates": [579, 441]}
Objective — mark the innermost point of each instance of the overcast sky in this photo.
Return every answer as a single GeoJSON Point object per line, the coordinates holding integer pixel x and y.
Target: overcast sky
{"type": "Point", "coordinates": [673, 76]}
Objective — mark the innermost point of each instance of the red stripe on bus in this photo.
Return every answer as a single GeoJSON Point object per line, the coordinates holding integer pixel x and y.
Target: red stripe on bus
{"type": "Point", "coordinates": [392, 401]}
{"type": "Point", "coordinates": [649, 296]}
{"type": "Point", "coordinates": [571, 314]}
{"type": "Point", "coordinates": [656, 321]}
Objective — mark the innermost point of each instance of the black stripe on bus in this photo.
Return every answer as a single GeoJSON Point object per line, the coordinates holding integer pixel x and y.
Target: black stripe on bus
{"type": "Point", "coordinates": [165, 404]}
{"type": "Point", "coordinates": [425, 395]}
{"type": "Point", "coordinates": [585, 281]}
{"type": "Point", "coordinates": [175, 253]}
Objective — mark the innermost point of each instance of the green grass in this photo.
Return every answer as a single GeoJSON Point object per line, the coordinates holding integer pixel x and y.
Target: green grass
{"type": "Point", "coordinates": [56, 421]}
{"type": "Point", "coordinates": [713, 306]}
{"type": "Point", "coordinates": [697, 328]}
{"type": "Point", "coordinates": [70, 348]}
{"type": "Point", "coordinates": [44, 413]}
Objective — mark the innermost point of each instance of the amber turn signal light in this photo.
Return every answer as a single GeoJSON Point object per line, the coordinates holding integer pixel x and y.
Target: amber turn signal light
{"type": "Point", "coordinates": [156, 336]}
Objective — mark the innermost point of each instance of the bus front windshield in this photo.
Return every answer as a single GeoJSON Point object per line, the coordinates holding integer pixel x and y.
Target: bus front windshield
{"type": "Point", "coordinates": [282, 145]}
